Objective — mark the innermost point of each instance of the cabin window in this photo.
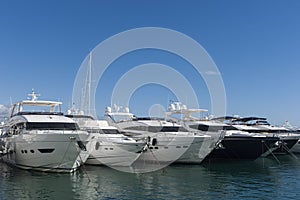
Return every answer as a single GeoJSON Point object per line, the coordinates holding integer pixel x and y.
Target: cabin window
{"type": "Point", "coordinates": [204, 127]}
{"type": "Point", "coordinates": [173, 129]}
{"type": "Point", "coordinates": [110, 131]}
{"type": "Point", "coordinates": [51, 126]}
{"type": "Point", "coordinates": [155, 129]}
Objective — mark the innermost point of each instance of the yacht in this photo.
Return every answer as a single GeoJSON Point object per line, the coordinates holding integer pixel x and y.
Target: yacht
{"type": "Point", "coordinates": [169, 142]}
{"type": "Point", "coordinates": [233, 144]}
{"type": "Point", "coordinates": [37, 136]}
{"type": "Point", "coordinates": [288, 138]}
{"type": "Point", "coordinates": [108, 145]}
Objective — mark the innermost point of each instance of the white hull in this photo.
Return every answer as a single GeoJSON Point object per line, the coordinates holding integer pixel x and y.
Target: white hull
{"type": "Point", "coordinates": [198, 150]}
{"type": "Point", "coordinates": [113, 150]}
{"type": "Point", "coordinates": [169, 148]}
{"type": "Point", "coordinates": [51, 152]}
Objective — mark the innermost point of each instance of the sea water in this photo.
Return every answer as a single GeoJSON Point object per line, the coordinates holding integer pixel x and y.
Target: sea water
{"type": "Point", "coordinates": [265, 178]}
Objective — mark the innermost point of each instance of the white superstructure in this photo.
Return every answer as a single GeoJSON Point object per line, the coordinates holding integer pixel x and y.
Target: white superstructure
{"type": "Point", "coordinates": [37, 136]}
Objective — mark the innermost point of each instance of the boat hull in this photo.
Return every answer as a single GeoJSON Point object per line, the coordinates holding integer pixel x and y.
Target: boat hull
{"type": "Point", "coordinates": [113, 154]}
{"type": "Point", "coordinates": [198, 150]}
{"type": "Point", "coordinates": [48, 152]}
{"type": "Point", "coordinates": [166, 148]}
{"type": "Point", "coordinates": [243, 147]}
{"type": "Point", "coordinates": [296, 148]}
{"type": "Point", "coordinates": [286, 146]}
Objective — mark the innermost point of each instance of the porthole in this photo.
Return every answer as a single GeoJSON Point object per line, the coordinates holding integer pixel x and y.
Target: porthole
{"type": "Point", "coordinates": [97, 146]}
{"type": "Point", "coordinates": [154, 141]}
{"type": "Point", "coordinates": [25, 151]}
{"type": "Point", "coordinates": [32, 151]}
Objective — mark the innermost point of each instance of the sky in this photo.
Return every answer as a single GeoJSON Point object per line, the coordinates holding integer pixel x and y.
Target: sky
{"type": "Point", "coordinates": [254, 43]}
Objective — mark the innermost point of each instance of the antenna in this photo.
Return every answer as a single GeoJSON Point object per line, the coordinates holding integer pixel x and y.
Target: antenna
{"type": "Point", "coordinates": [33, 95]}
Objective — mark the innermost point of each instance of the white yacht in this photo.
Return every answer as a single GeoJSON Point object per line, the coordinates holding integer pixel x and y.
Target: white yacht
{"type": "Point", "coordinates": [168, 141]}
{"type": "Point", "coordinates": [108, 145]}
{"type": "Point", "coordinates": [37, 136]}
{"type": "Point", "coordinates": [232, 143]}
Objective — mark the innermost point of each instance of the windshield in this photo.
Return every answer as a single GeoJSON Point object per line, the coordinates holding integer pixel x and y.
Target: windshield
{"type": "Point", "coordinates": [121, 118]}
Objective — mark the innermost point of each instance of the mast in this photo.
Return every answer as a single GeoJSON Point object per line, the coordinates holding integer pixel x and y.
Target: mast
{"type": "Point", "coordinates": [89, 85]}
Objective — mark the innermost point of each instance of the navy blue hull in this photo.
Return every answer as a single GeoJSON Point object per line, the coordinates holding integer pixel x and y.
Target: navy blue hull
{"type": "Point", "coordinates": [235, 147]}
{"type": "Point", "coordinates": [287, 144]}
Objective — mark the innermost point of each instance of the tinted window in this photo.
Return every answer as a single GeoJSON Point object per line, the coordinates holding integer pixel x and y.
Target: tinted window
{"type": "Point", "coordinates": [110, 131]}
{"type": "Point", "coordinates": [156, 129]}
{"type": "Point", "coordinates": [204, 127]}
{"type": "Point", "coordinates": [51, 126]}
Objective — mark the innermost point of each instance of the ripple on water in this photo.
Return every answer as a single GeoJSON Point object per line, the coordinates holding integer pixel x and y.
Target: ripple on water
{"type": "Point", "coordinates": [260, 179]}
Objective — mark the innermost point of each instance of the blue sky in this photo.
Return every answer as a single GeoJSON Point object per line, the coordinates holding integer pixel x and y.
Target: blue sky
{"type": "Point", "coordinates": [255, 45]}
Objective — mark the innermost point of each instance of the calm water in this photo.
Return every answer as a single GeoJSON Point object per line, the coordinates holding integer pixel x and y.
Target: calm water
{"type": "Point", "coordinates": [260, 179]}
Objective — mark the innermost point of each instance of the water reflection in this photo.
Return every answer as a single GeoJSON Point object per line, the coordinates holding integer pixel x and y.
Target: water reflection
{"type": "Point", "coordinates": [263, 178]}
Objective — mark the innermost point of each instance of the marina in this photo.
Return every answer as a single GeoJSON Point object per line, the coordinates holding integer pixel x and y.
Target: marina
{"type": "Point", "coordinates": [127, 157]}
{"type": "Point", "coordinates": [149, 100]}
{"type": "Point", "coordinates": [38, 136]}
